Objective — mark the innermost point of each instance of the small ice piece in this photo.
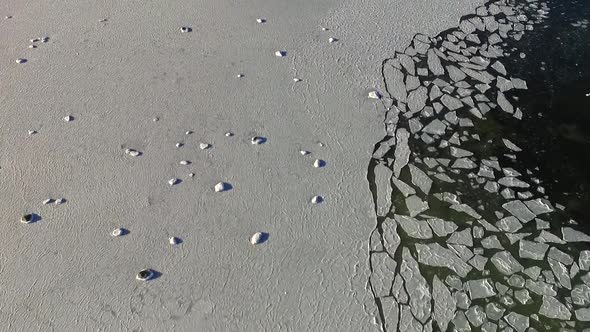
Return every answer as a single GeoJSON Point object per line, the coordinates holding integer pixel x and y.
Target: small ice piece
{"type": "Point", "coordinates": [174, 240]}
{"type": "Point", "coordinates": [156, 119]}
{"type": "Point", "coordinates": [332, 40]}
{"type": "Point", "coordinates": [281, 54]}
{"type": "Point", "coordinates": [374, 95]}
{"type": "Point", "coordinates": [464, 163]}
{"type": "Point", "coordinates": [465, 209]}
{"type": "Point", "coordinates": [68, 118]}
{"type": "Point", "coordinates": [257, 140]}
{"type": "Point", "coordinates": [44, 39]}
{"type": "Point", "coordinates": [402, 151]}
{"type": "Point", "coordinates": [511, 145]}
{"type": "Point", "coordinates": [560, 271]}
{"type": "Point", "coordinates": [204, 146]}
{"type": "Point", "coordinates": [317, 199]}
{"type": "Point", "coordinates": [509, 181]}
{"type": "Point", "coordinates": [444, 304]}
{"type": "Point", "coordinates": [552, 308]}
{"type": "Point", "coordinates": [509, 224]}
{"type": "Point", "coordinates": [60, 201]}
{"type": "Point", "coordinates": [494, 311]}
{"type": "Point", "coordinates": [257, 238]}
{"type": "Point", "coordinates": [505, 263]}
{"type": "Point", "coordinates": [420, 179]}
{"type": "Point", "coordinates": [476, 316]}
{"type": "Point", "coordinates": [436, 255]}
{"type": "Point", "coordinates": [479, 262]}
{"type": "Point", "coordinates": [102, 20]}
{"type": "Point", "coordinates": [222, 186]}
{"type": "Point", "coordinates": [519, 322]}
{"type": "Point", "coordinates": [523, 296]}
{"type": "Point", "coordinates": [319, 163]}
{"type": "Point", "coordinates": [118, 232]}
{"type": "Point", "coordinates": [240, 75]}
{"type": "Point", "coordinates": [539, 206]}
{"type": "Point", "coordinates": [185, 29]}
{"type": "Point", "coordinates": [415, 228]}
{"type": "Point", "coordinates": [188, 132]}
{"type": "Point", "coordinates": [463, 237]}
{"type": "Point", "coordinates": [48, 201]}
{"type": "Point", "coordinates": [32, 46]}
{"type": "Point", "coordinates": [436, 127]}
{"type": "Point", "coordinates": [295, 79]}
{"type": "Point", "coordinates": [416, 286]}
{"type": "Point", "coordinates": [173, 181]}
{"type": "Point", "coordinates": [415, 205]}
{"type": "Point", "coordinates": [229, 134]}
{"type": "Point", "coordinates": [27, 218]}
{"type": "Point", "coordinates": [584, 260]}
{"type": "Point", "coordinates": [545, 236]}
{"type": "Point", "coordinates": [583, 314]}
{"type": "Point", "coordinates": [542, 224]}
{"type": "Point", "coordinates": [404, 188]}
{"type": "Point", "coordinates": [21, 60]}
{"type": "Point", "coordinates": [572, 235]}
{"type": "Point", "coordinates": [261, 20]}
{"type": "Point", "coordinates": [132, 152]}
{"type": "Point", "coordinates": [144, 275]}
{"type": "Point", "coordinates": [185, 162]}
{"type": "Point", "coordinates": [191, 175]}
{"type": "Point", "coordinates": [304, 152]}
{"type": "Point", "coordinates": [460, 153]}
{"type": "Point", "coordinates": [504, 103]}
{"type": "Point", "coordinates": [178, 145]}
{"type": "Point", "coordinates": [560, 256]}
{"type": "Point", "coordinates": [532, 250]}
{"type": "Point", "coordinates": [442, 227]}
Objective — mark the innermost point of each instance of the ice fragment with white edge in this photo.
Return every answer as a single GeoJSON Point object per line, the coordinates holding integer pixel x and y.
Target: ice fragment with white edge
{"type": "Point", "coordinates": [552, 308]}
{"type": "Point", "coordinates": [572, 235]}
{"type": "Point", "coordinates": [511, 145]}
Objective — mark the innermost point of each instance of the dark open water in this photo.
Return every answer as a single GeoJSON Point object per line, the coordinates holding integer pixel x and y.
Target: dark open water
{"type": "Point", "coordinates": [555, 130]}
